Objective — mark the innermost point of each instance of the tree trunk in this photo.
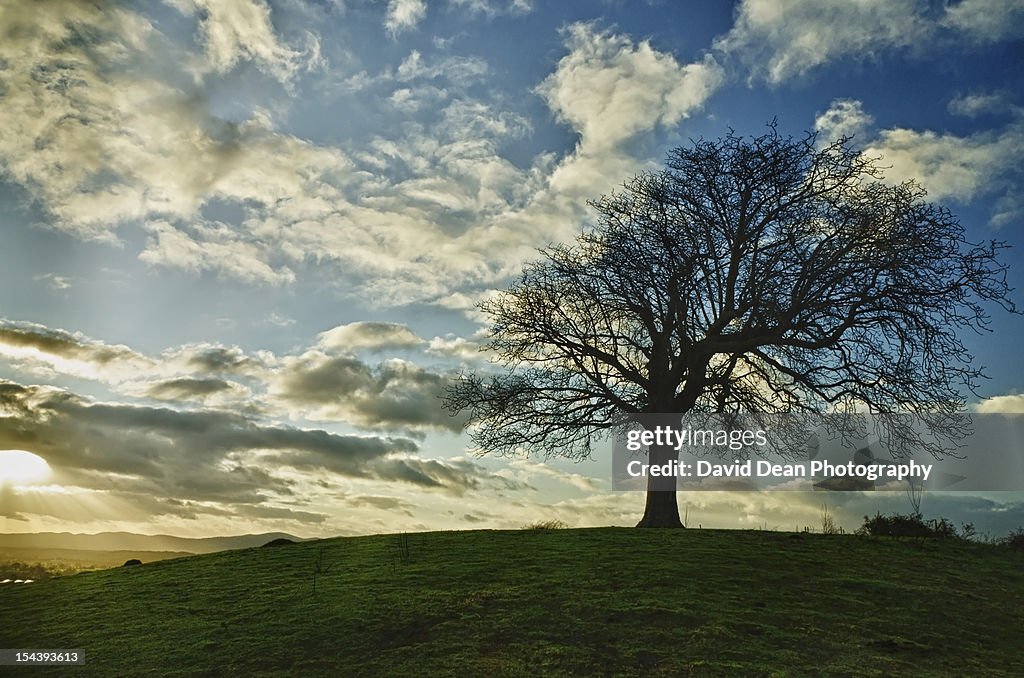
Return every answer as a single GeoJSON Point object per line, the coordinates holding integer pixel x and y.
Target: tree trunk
{"type": "Point", "coordinates": [662, 509]}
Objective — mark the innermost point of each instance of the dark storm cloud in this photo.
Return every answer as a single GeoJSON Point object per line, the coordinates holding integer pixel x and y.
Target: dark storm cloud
{"type": "Point", "coordinates": [281, 513]}
{"type": "Point", "coordinates": [394, 394]}
{"type": "Point", "coordinates": [182, 454]}
{"type": "Point", "coordinates": [458, 476]}
{"type": "Point", "coordinates": [62, 344]}
{"type": "Point", "coordinates": [217, 359]}
{"type": "Point", "coordinates": [193, 511]}
{"type": "Point", "coordinates": [185, 388]}
{"type": "Point", "coordinates": [380, 502]}
{"type": "Point", "coordinates": [455, 476]}
{"type": "Point", "coordinates": [326, 381]}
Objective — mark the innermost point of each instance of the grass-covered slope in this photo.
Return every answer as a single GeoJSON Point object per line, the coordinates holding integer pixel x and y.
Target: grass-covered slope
{"type": "Point", "coordinates": [542, 602]}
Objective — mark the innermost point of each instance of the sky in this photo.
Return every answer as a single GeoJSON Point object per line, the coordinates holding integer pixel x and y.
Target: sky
{"type": "Point", "coordinates": [242, 241]}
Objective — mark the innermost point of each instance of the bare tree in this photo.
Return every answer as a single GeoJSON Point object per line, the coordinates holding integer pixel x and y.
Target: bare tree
{"type": "Point", "coordinates": [750, 275]}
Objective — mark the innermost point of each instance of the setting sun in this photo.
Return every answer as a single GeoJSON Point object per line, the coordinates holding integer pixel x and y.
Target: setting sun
{"type": "Point", "coordinates": [19, 466]}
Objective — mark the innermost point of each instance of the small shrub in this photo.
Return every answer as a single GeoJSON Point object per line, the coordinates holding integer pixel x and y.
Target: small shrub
{"type": "Point", "coordinates": [912, 525]}
{"type": "Point", "coordinates": [943, 529]}
{"type": "Point", "coordinates": [546, 525]}
{"type": "Point", "coordinates": [828, 523]}
{"type": "Point", "coordinates": [968, 533]}
{"type": "Point", "coordinates": [1014, 540]}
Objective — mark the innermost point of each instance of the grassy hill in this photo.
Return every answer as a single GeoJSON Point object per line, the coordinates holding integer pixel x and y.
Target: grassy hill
{"type": "Point", "coordinates": [607, 601]}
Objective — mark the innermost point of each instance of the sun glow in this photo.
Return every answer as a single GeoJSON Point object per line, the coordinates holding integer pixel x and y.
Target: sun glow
{"type": "Point", "coordinates": [18, 467]}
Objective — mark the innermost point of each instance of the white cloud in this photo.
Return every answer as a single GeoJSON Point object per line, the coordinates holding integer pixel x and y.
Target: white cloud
{"type": "Point", "coordinates": [1008, 208]}
{"type": "Point", "coordinates": [610, 89]}
{"type": "Point", "coordinates": [986, 20]}
{"type": "Point", "coordinates": [461, 71]}
{"type": "Point", "coordinates": [57, 283]}
{"type": "Point", "coordinates": [455, 347]}
{"type": "Point", "coordinates": [241, 30]}
{"type": "Point", "coordinates": [369, 335]}
{"type": "Point", "coordinates": [971, 105]}
{"type": "Point", "coordinates": [781, 40]}
{"type": "Point", "coordinates": [529, 469]}
{"type": "Point", "coordinates": [492, 8]}
{"type": "Point", "coordinates": [844, 118]}
{"type": "Point", "coordinates": [403, 15]}
{"type": "Point", "coordinates": [110, 141]}
{"type": "Point", "coordinates": [1004, 404]}
{"type": "Point", "coordinates": [947, 165]}
{"type": "Point", "coordinates": [206, 373]}
{"type": "Point", "coordinates": [279, 320]}
{"type": "Point", "coordinates": [612, 92]}
{"type": "Point", "coordinates": [217, 247]}
{"type": "Point", "coordinates": [951, 166]}
{"type": "Point", "coordinates": [99, 145]}
{"type": "Point", "coordinates": [49, 97]}
{"type": "Point", "coordinates": [403, 99]}
{"type": "Point", "coordinates": [39, 350]}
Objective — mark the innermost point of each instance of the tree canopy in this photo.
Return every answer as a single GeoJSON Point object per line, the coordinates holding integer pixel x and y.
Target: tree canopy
{"type": "Point", "coordinates": [765, 274]}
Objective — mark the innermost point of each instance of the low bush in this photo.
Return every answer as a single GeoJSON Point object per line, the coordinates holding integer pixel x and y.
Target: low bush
{"type": "Point", "coordinates": [1014, 540]}
{"type": "Point", "coordinates": [912, 525]}
{"type": "Point", "coordinates": [546, 525]}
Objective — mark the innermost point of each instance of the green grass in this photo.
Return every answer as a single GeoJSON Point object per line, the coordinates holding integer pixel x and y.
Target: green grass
{"type": "Point", "coordinates": [604, 602]}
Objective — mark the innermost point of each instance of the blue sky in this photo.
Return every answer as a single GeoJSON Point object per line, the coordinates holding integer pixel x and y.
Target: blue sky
{"type": "Point", "coordinates": [243, 240]}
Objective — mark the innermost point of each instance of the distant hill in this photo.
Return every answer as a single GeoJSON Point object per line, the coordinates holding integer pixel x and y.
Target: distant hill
{"type": "Point", "coordinates": [39, 564]}
{"type": "Point", "coordinates": [129, 541]}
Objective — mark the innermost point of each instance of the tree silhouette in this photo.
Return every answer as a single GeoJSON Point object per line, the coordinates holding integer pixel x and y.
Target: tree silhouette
{"type": "Point", "coordinates": [759, 274]}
